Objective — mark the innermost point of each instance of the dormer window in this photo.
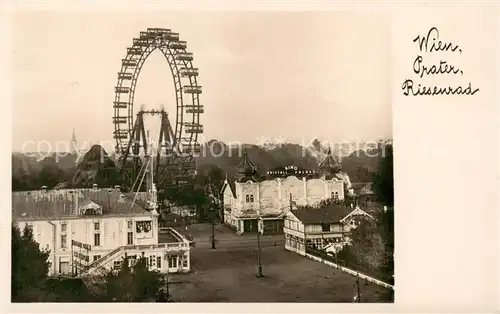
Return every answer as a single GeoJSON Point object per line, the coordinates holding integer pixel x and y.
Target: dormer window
{"type": "Point", "coordinates": [90, 208]}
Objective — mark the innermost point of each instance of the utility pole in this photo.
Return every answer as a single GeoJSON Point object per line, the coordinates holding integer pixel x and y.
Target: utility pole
{"type": "Point", "coordinates": [259, 268]}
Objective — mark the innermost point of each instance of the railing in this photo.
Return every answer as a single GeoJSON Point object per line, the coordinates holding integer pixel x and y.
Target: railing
{"type": "Point", "coordinates": [363, 272]}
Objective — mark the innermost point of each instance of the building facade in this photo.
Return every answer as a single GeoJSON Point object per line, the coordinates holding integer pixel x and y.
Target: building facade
{"type": "Point", "coordinates": [248, 199]}
{"type": "Point", "coordinates": [321, 228]}
{"type": "Point", "coordinates": [92, 230]}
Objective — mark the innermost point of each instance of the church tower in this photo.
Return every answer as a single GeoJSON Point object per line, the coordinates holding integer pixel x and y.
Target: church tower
{"type": "Point", "coordinates": [73, 142]}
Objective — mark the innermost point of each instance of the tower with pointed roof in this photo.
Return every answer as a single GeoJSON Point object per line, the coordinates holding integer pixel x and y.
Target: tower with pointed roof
{"type": "Point", "coordinates": [329, 166]}
{"type": "Point", "coordinates": [246, 170]}
{"type": "Point", "coordinates": [73, 142]}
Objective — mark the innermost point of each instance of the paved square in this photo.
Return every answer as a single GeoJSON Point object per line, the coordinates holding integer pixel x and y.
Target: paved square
{"type": "Point", "coordinates": [227, 274]}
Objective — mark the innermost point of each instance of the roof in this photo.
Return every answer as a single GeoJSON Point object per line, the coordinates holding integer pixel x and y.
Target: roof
{"type": "Point", "coordinates": [330, 214]}
{"type": "Point", "coordinates": [329, 164]}
{"type": "Point", "coordinates": [246, 169]}
{"type": "Point", "coordinates": [231, 185]}
{"type": "Point", "coordinates": [65, 203]}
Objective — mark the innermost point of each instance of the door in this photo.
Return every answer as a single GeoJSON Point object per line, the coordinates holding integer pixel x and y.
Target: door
{"type": "Point", "coordinates": [64, 268]}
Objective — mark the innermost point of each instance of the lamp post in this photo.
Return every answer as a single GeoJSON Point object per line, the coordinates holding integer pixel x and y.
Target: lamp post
{"type": "Point", "coordinates": [259, 228]}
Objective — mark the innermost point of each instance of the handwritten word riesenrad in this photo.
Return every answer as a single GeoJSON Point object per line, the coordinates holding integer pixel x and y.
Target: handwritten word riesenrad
{"type": "Point", "coordinates": [432, 44]}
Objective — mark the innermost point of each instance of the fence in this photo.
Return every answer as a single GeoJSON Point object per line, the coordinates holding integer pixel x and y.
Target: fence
{"type": "Point", "coordinates": [347, 270]}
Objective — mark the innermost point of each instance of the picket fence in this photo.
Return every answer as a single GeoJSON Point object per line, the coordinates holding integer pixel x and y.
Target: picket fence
{"type": "Point", "coordinates": [350, 271]}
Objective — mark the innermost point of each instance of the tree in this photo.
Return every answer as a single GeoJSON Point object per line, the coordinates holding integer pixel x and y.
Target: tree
{"type": "Point", "coordinates": [383, 181]}
{"type": "Point", "coordinates": [136, 284]}
{"type": "Point", "coordinates": [30, 266]}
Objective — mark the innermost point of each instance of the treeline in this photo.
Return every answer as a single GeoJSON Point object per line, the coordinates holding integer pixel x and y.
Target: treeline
{"type": "Point", "coordinates": [97, 167]}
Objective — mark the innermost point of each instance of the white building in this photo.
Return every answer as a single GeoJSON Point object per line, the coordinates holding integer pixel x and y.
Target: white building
{"type": "Point", "coordinates": [320, 228]}
{"type": "Point", "coordinates": [90, 230]}
{"type": "Point", "coordinates": [246, 196]}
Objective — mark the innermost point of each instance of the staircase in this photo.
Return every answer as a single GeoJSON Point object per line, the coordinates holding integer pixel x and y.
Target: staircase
{"type": "Point", "coordinates": [97, 264]}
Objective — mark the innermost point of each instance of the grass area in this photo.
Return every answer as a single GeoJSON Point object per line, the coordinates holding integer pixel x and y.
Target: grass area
{"type": "Point", "coordinates": [229, 276]}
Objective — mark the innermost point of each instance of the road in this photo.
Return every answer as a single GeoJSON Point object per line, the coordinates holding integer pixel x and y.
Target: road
{"type": "Point", "coordinates": [226, 238]}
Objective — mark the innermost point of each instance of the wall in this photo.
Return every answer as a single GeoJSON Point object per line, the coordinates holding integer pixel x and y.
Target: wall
{"type": "Point", "coordinates": [113, 233]}
{"type": "Point", "coordinates": [276, 193]}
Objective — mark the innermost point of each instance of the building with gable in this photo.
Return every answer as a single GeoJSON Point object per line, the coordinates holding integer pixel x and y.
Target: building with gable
{"type": "Point", "coordinates": [250, 198]}
{"type": "Point", "coordinates": [92, 230]}
{"type": "Point", "coordinates": [321, 228]}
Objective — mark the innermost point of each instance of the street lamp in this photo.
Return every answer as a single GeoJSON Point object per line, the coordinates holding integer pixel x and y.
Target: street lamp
{"type": "Point", "coordinates": [260, 228]}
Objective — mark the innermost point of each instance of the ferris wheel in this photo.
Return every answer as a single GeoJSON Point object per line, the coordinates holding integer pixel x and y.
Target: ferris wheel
{"type": "Point", "coordinates": [179, 130]}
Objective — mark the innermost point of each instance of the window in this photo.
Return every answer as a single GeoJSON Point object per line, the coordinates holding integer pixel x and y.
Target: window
{"type": "Point", "coordinates": [96, 226]}
{"type": "Point", "coordinates": [325, 227]}
{"type": "Point", "coordinates": [116, 265]}
{"type": "Point", "coordinates": [247, 198]}
{"type": "Point", "coordinates": [158, 261]}
{"type": "Point", "coordinates": [251, 198]}
{"type": "Point", "coordinates": [96, 257]}
{"type": "Point", "coordinates": [63, 227]}
{"type": "Point", "coordinates": [64, 240]}
{"type": "Point", "coordinates": [185, 261]}
{"type": "Point", "coordinates": [97, 239]}
{"type": "Point", "coordinates": [129, 224]}
{"type": "Point", "coordinates": [130, 238]}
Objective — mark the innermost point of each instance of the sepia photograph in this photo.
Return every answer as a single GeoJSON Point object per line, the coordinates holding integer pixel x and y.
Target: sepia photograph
{"type": "Point", "coordinates": [202, 156]}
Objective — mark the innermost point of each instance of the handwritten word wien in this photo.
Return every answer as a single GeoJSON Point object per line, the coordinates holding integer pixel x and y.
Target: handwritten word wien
{"type": "Point", "coordinates": [431, 43]}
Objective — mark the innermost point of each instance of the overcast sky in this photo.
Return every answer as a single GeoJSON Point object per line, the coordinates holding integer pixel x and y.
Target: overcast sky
{"type": "Point", "coordinates": [297, 75]}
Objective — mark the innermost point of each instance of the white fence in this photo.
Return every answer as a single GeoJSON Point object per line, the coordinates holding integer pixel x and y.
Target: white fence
{"type": "Point", "coordinates": [350, 271]}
